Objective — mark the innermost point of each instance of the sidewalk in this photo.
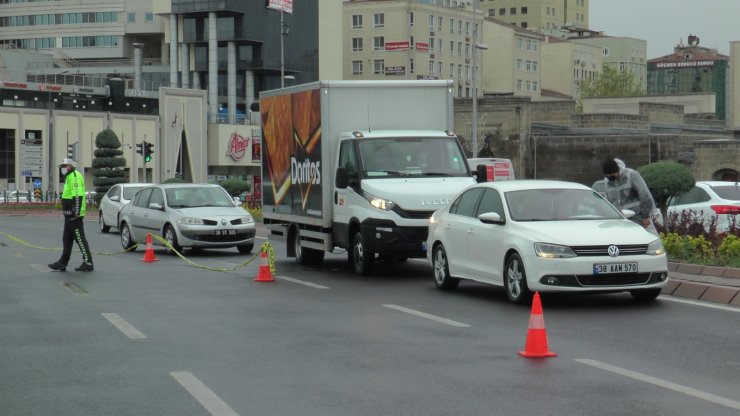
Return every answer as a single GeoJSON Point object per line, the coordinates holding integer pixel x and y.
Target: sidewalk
{"type": "Point", "coordinates": [708, 283]}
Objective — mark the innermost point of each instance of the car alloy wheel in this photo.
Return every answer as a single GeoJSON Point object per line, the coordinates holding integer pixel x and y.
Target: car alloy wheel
{"type": "Point", "coordinates": [171, 238]}
{"type": "Point", "coordinates": [126, 242]}
{"type": "Point", "coordinates": [442, 278]}
{"type": "Point", "coordinates": [515, 280]}
{"type": "Point", "coordinates": [103, 228]}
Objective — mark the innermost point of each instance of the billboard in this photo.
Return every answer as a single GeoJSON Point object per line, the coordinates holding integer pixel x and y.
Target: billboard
{"type": "Point", "coordinates": [280, 5]}
{"type": "Point", "coordinates": [291, 152]}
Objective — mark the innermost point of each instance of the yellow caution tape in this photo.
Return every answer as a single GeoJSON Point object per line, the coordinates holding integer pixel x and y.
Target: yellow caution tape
{"type": "Point", "coordinates": [266, 247]}
{"type": "Point", "coordinates": [29, 245]}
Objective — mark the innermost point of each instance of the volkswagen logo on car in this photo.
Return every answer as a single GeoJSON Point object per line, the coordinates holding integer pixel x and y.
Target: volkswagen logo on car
{"type": "Point", "coordinates": [613, 251]}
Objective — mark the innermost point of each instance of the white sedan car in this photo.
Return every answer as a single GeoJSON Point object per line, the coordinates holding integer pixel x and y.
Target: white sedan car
{"type": "Point", "coordinates": [546, 236]}
{"type": "Point", "coordinates": [110, 205]}
{"type": "Point", "coordinates": [710, 203]}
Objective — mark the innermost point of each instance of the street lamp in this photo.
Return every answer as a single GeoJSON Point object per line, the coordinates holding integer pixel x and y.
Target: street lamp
{"type": "Point", "coordinates": [284, 30]}
{"type": "Point", "coordinates": [476, 47]}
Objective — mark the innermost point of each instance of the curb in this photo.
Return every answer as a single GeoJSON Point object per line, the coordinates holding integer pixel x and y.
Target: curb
{"type": "Point", "coordinates": [706, 283]}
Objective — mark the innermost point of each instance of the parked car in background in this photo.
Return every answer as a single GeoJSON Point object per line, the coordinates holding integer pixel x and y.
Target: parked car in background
{"type": "Point", "coordinates": [112, 202]}
{"type": "Point", "coordinates": [187, 215]}
{"type": "Point", "coordinates": [707, 202]}
{"type": "Point", "coordinates": [547, 236]}
{"type": "Point", "coordinates": [14, 197]}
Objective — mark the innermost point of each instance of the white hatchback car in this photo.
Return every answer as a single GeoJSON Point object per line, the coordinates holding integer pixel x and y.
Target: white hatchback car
{"type": "Point", "coordinates": [708, 202]}
{"type": "Point", "coordinates": [110, 205]}
{"type": "Point", "coordinates": [547, 236]}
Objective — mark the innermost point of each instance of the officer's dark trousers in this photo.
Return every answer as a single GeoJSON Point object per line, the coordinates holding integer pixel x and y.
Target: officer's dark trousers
{"type": "Point", "coordinates": [74, 231]}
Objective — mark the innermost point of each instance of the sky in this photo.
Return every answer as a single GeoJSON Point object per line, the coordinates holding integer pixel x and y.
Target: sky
{"type": "Point", "coordinates": [665, 23]}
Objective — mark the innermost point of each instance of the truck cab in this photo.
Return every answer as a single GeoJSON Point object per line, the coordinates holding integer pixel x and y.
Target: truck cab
{"type": "Point", "coordinates": [387, 185]}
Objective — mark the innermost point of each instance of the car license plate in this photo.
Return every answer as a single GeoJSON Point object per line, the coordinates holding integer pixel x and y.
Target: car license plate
{"type": "Point", "coordinates": [224, 232]}
{"type": "Point", "coordinates": [609, 268]}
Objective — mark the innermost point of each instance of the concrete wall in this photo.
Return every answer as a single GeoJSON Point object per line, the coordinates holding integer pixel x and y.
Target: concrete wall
{"type": "Point", "coordinates": [331, 58]}
{"type": "Point", "coordinates": [692, 103]}
{"type": "Point", "coordinates": [715, 155]}
{"type": "Point", "coordinates": [662, 113]}
{"type": "Point", "coordinates": [553, 112]}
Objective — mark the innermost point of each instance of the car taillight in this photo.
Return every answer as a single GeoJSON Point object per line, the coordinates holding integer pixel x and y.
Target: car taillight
{"type": "Point", "coordinates": [726, 209]}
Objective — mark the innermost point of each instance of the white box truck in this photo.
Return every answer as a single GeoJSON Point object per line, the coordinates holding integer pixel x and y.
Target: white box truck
{"type": "Point", "coordinates": [360, 166]}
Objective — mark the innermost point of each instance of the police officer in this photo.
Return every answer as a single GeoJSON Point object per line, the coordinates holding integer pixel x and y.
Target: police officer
{"type": "Point", "coordinates": [626, 189]}
{"type": "Point", "coordinates": [73, 207]}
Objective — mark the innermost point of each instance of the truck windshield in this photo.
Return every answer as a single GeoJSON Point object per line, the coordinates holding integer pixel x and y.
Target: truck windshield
{"type": "Point", "coordinates": [412, 156]}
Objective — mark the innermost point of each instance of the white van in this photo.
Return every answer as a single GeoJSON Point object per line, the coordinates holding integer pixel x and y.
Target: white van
{"type": "Point", "coordinates": [489, 169]}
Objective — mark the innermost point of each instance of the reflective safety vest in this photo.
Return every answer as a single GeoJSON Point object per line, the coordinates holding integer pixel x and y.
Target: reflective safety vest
{"type": "Point", "coordinates": [74, 190]}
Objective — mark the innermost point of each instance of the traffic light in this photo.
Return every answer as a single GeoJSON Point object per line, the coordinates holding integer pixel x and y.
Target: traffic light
{"type": "Point", "coordinates": [148, 151]}
{"type": "Point", "coordinates": [72, 151]}
{"type": "Point", "coordinates": [139, 147]}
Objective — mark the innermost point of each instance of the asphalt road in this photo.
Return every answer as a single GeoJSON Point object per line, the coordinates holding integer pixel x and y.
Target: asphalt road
{"type": "Point", "coordinates": [164, 338]}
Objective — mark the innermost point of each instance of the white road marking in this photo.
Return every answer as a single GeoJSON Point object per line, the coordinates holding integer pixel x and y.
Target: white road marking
{"type": "Point", "coordinates": [427, 316]}
{"type": "Point", "coordinates": [301, 282]}
{"type": "Point", "coordinates": [700, 303]}
{"type": "Point", "coordinates": [41, 268]}
{"type": "Point", "coordinates": [732, 404]}
{"type": "Point", "coordinates": [123, 326]}
{"type": "Point", "coordinates": [207, 398]}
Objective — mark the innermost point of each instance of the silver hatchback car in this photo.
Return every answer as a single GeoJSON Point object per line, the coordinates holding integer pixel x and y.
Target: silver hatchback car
{"type": "Point", "coordinates": [187, 216]}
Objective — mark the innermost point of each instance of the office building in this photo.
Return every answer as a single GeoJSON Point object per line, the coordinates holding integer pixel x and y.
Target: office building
{"type": "Point", "coordinates": [538, 15]}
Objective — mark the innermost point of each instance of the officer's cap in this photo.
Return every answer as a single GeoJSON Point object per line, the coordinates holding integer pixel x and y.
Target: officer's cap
{"type": "Point", "coordinates": [67, 161]}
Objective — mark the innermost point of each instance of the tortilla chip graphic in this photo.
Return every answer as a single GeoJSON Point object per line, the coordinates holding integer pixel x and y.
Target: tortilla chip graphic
{"type": "Point", "coordinates": [278, 141]}
{"type": "Point", "coordinates": [306, 107]}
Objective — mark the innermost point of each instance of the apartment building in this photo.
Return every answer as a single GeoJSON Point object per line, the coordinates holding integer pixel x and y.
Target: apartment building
{"type": "Point", "coordinates": [568, 64]}
{"type": "Point", "coordinates": [512, 63]}
{"type": "Point", "coordinates": [538, 15]}
{"type": "Point", "coordinates": [411, 39]}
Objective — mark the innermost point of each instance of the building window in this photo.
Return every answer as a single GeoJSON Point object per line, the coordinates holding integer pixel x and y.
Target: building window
{"type": "Point", "coordinates": [440, 20]}
{"type": "Point", "coordinates": [378, 19]}
{"type": "Point", "coordinates": [520, 43]}
{"type": "Point", "coordinates": [491, 12]}
{"type": "Point", "coordinates": [534, 66]}
{"type": "Point", "coordinates": [411, 66]}
{"type": "Point", "coordinates": [459, 27]}
{"type": "Point", "coordinates": [467, 28]}
{"type": "Point", "coordinates": [379, 43]}
{"type": "Point", "coordinates": [518, 85]}
{"type": "Point", "coordinates": [529, 66]}
{"type": "Point", "coordinates": [502, 11]}
{"type": "Point", "coordinates": [452, 48]}
{"type": "Point", "coordinates": [459, 71]}
{"type": "Point", "coordinates": [356, 44]}
{"type": "Point", "coordinates": [529, 85]}
{"type": "Point", "coordinates": [452, 70]}
{"type": "Point", "coordinates": [524, 25]}
{"type": "Point", "coordinates": [378, 66]}
{"type": "Point", "coordinates": [430, 70]}
{"type": "Point", "coordinates": [149, 17]}
{"type": "Point", "coordinates": [411, 19]}
{"type": "Point", "coordinates": [452, 25]}
{"type": "Point", "coordinates": [524, 10]}
{"type": "Point", "coordinates": [519, 64]}
{"type": "Point", "coordinates": [534, 86]}
{"type": "Point", "coordinates": [356, 67]}
{"type": "Point", "coordinates": [356, 21]}
{"type": "Point", "coordinates": [431, 23]}
{"type": "Point", "coordinates": [622, 66]}
{"type": "Point", "coordinates": [459, 48]}
{"type": "Point", "coordinates": [512, 11]}
{"type": "Point", "coordinates": [439, 47]}
{"type": "Point", "coordinates": [131, 17]}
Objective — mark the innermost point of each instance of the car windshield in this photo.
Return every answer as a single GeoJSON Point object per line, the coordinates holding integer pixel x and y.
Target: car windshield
{"type": "Point", "coordinates": [559, 205]}
{"type": "Point", "coordinates": [130, 191]}
{"type": "Point", "coordinates": [201, 196]}
{"type": "Point", "coordinates": [730, 192]}
{"type": "Point", "coordinates": [412, 156]}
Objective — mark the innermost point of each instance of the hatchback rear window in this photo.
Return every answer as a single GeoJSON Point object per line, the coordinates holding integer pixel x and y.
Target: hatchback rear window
{"type": "Point", "coordinates": [731, 192]}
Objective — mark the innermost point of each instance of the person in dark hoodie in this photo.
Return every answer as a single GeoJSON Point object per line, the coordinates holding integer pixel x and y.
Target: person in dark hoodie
{"type": "Point", "coordinates": [73, 207]}
{"type": "Point", "coordinates": [626, 189]}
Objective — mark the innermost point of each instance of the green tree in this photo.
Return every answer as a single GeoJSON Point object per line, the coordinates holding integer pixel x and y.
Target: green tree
{"type": "Point", "coordinates": [108, 164]}
{"type": "Point", "coordinates": [665, 180]}
{"type": "Point", "coordinates": [611, 83]}
{"type": "Point", "coordinates": [234, 186]}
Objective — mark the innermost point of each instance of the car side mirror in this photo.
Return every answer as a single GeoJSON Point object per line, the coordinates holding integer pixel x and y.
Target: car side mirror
{"type": "Point", "coordinates": [154, 205]}
{"type": "Point", "coordinates": [490, 218]}
{"type": "Point", "coordinates": [628, 213]}
{"type": "Point", "coordinates": [341, 178]}
{"type": "Point", "coordinates": [115, 198]}
{"type": "Point", "coordinates": [481, 175]}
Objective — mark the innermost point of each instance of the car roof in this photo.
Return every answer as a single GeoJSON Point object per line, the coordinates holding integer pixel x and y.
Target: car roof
{"type": "Point", "coordinates": [186, 185]}
{"type": "Point", "coordinates": [126, 185]}
{"type": "Point", "coordinates": [528, 184]}
{"type": "Point", "coordinates": [718, 183]}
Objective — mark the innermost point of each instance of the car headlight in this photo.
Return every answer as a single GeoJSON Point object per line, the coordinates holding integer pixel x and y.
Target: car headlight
{"type": "Point", "coordinates": [190, 221]}
{"type": "Point", "coordinates": [379, 203]}
{"type": "Point", "coordinates": [246, 219]}
{"type": "Point", "coordinates": [553, 251]}
{"type": "Point", "coordinates": [655, 248]}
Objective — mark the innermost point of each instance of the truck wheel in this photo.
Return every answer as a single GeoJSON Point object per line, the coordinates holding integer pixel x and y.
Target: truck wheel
{"type": "Point", "coordinates": [305, 255]}
{"type": "Point", "coordinates": [362, 258]}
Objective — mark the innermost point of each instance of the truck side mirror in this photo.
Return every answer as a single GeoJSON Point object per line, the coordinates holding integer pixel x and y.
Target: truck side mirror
{"type": "Point", "coordinates": [480, 174]}
{"type": "Point", "coordinates": [340, 178]}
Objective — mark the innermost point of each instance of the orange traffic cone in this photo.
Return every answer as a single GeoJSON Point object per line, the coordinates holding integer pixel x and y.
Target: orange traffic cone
{"type": "Point", "coordinates": [264, 274]}
{"type": "Point", "coordinates": [536, 345]}
{"type": "Point", "coordinates": [149, 253]}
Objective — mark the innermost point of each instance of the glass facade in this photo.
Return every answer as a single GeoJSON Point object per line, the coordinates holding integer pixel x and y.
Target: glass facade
{"type": "Point", "coordinates": [690, 77]}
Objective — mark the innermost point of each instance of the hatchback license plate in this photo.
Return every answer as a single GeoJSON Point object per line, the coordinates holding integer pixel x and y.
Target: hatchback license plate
{"type": "Point", "coordinates": [224, 232]}
{"type": "Point", "coordinates": [609, 268]}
